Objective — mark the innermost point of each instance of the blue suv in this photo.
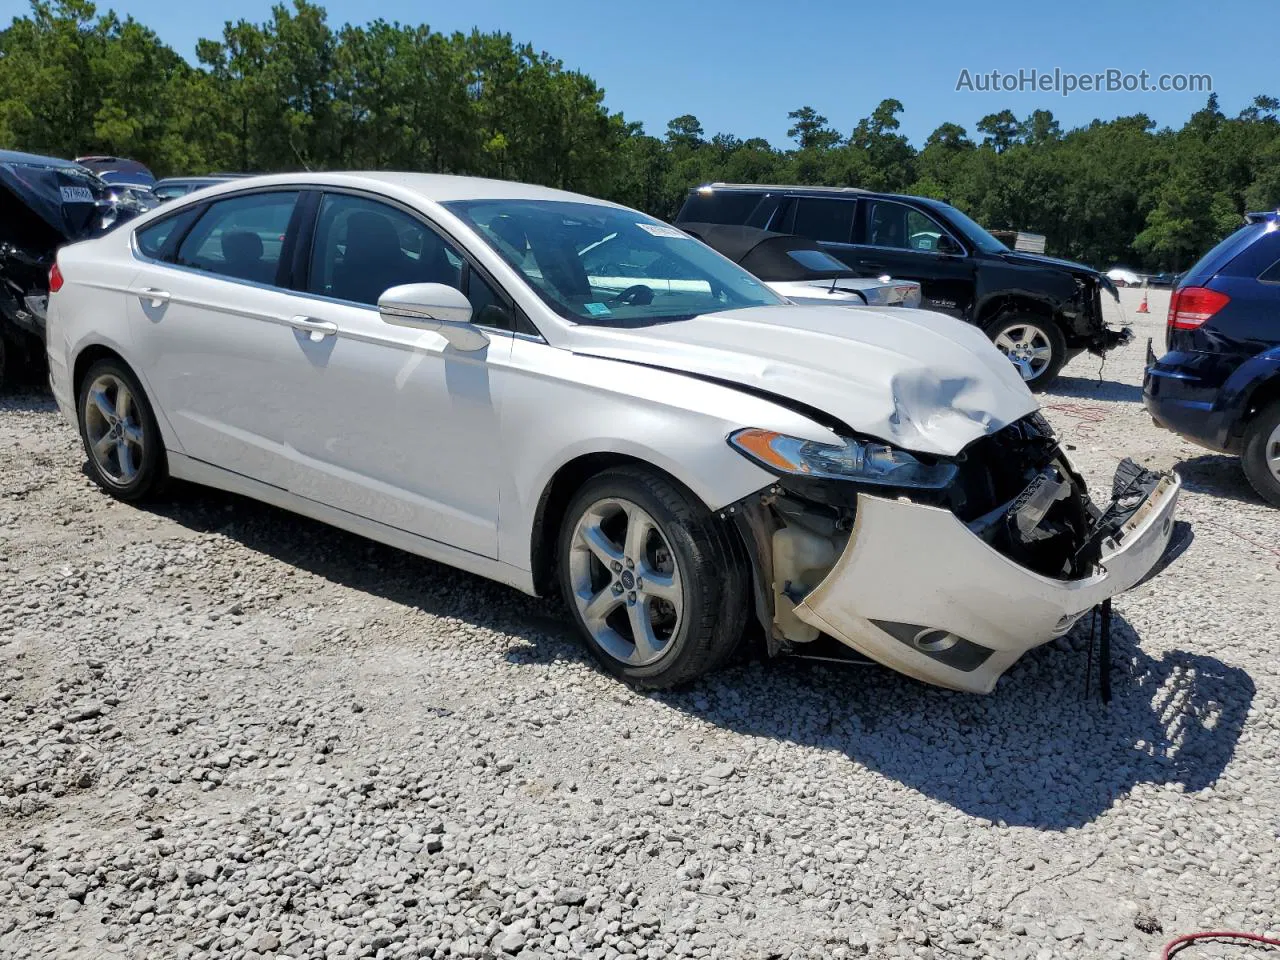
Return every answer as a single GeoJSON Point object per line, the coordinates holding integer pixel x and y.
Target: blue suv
{"type": "Point", "coordinates": [1219, 383]}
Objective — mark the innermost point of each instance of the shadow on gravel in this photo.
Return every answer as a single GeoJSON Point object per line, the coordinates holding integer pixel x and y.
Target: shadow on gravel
{"type": "Point", "coordinates": [1038, 752]}
{"type": "Point", "coordinates": [1090, 388]}
{"type": "Point", "coordinates": [361, 564]}
{"type": "Point", "coordinates": [1217, 475]}
{"type": "Point", "coordinates": [26, 400]}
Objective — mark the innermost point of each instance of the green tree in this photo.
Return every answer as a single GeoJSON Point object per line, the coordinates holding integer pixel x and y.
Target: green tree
{"type": "Point", "coordinates": [1001, 130]}
{"type": "Point", "coordinates": [810, 130]}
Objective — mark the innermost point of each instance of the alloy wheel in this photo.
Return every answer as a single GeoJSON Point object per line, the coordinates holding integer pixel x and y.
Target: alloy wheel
{"type": "Point", "coordinates": [1028, 347]}
{"type": "Point", "coordinates": [1271, 453]}
{"type": "Point", "coordinates": [114, 427]}
{"type": "Point", "coordinates": [626, 581]}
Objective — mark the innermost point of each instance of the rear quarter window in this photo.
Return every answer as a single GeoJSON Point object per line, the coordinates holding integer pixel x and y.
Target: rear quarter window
{"type": "Point", "coordinates": [728, 206]}
{"type": "Point", "coordinates": [153, 239]}
{"type": "Point", "coordinates": [1226, 251]}
{"type": "Point", "coordinates": [1271, 274]}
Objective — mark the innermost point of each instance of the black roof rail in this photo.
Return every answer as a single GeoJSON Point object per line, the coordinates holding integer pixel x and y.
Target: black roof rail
{"type": "Point", "coordinates": [719, 185]}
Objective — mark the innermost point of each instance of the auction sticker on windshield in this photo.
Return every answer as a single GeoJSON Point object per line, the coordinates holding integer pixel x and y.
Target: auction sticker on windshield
{"type": "Point", "coordinates": [76, 194]}
{"type": "Point", "coordinates": [662, 230]}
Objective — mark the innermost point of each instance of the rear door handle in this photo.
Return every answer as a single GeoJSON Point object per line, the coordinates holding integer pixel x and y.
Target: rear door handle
{"type": "Point", "coordinates": [157, 296]}
{"type": "Point", "coordinates": [318, 329]}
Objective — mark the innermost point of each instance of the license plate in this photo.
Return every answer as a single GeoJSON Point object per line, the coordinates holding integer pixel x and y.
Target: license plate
{"type": "Point", "coordinates": [76, 194]}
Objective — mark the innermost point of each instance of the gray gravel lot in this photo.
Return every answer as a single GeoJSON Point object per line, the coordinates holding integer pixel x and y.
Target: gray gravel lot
{"type": "Point", "coordinates": [229, 732]}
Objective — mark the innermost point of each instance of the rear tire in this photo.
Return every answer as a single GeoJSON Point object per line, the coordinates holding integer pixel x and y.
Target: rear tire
{"type": "Point", "coordinates": [118, 428]}
{"type": "Point", "coordinates": [1034, 345]}
{"type": "Point", "coordinates": [1261, 456]}
{"type": "Point", "coordinates": [658, 589]}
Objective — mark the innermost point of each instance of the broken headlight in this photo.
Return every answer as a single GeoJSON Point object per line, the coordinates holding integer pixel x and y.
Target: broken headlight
{"type": "Point", "coordinates": [865, 461]}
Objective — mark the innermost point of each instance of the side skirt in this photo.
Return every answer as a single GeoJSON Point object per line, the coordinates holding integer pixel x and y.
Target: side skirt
{"type": "Point", "coordinates": [182, 467]}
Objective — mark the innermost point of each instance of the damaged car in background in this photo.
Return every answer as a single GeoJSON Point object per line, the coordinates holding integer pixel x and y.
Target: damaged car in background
{"type": "Point", "coordinates": [800, 270]}
{"type": "Point", "coordinates": [44, 203]}
{"type": "Point", "coordinates": [448, 365]}
{"type": "Point", "coordinates": [1040, 311]}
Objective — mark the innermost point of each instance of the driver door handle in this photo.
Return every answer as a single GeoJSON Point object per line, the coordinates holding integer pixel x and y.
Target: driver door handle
{"type": "Point", "coordinates": [318, 329]}
{"type": "Point", "coordinates": [154, 294]}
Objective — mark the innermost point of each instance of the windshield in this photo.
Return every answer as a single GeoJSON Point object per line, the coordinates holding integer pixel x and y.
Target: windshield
{"type": "Point", "coordinates": [974, 232]}
{"type": "Point", "coordinates": [608, 266]}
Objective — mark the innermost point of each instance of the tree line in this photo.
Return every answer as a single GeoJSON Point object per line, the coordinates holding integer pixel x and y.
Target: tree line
{"type": "Point", "coordinates": [296, 93]}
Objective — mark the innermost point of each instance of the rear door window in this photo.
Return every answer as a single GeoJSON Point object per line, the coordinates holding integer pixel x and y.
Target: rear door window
{"type": "Point", "coordinates": [825, 220]}
{"type": "Point", "coordinates": [240, 237]}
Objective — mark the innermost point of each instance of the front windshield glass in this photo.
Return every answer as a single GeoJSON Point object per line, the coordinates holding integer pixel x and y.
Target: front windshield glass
{"type": "Point", "coordinates": [607, 266]}
{"type": "Point", "coordinates": [974, 231]}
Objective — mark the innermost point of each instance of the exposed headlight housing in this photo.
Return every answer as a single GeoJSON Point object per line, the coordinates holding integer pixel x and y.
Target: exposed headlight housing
{"type": "Point", "coordinates": [863, 461]}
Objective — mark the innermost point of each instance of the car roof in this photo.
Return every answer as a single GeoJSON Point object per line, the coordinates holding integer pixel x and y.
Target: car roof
{"type": "Point", "coordinates": [202, 178]}
{"type": "Point", "coordinates": [442, 188]}
{"type": "Point", "coordinates": [34, 159]}
{"type": "Point", "coordinates": [811, 190]}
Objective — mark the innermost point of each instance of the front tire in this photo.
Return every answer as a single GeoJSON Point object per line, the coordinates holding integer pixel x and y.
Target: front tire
{"type": "Point", "coordinates": [119, 432]}
{"type": "Point", "coordinates": [1261, 456]}
{"type": "Point", "coordinates": [1034, 345]}
{"type": "Point", "coordinates": [658, 589]}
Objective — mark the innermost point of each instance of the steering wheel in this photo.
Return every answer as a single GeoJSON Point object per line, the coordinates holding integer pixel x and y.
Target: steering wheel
{"type": "Point", "coordinates": [637, 294]}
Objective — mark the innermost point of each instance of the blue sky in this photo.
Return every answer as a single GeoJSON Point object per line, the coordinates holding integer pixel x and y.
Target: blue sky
{"type": "Point", "coordinates": [740, 66]}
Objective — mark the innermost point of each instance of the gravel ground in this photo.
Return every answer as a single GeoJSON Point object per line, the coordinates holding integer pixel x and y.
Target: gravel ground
{"type": "Point", "coordinates": [228, 732]}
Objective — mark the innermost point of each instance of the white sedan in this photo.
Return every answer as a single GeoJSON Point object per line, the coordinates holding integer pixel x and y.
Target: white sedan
{"type": "Point", "coordinates": [428, 361]}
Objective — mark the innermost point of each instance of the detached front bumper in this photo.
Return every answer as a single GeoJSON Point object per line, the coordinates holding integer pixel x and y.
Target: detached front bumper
{"type": "Point", "coordinates": [916, 590]}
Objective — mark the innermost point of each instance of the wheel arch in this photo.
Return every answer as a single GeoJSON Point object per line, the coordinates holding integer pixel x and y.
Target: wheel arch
{"type": "Point", "coordinates": [90, 353]}
{"type": "Point", "coordinates": [87, 357]}
{"type": "Point", "coordinates": [1261, 397]}
{"type": "Point", "coordinates": [1012, 302]}
{"type": "Point", "coordinates": [558, 492]}
{"type": "Point", "coordinates": [1250, 389]}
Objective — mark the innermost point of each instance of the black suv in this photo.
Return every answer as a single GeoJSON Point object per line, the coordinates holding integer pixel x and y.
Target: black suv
{"type": "Point", "coordinates": [1040, 311]}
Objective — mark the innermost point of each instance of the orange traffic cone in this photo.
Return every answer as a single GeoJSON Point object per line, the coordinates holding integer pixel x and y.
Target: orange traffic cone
{"type": "Point", "coordinates": [1142, 307]}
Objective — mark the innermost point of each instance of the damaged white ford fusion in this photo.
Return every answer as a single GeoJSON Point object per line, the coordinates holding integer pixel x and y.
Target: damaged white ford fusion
{"type": "Point", "coordinates": [463, 369]}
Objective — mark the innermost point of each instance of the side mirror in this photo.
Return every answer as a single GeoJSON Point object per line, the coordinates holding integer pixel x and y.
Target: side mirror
{"type": "Point", "coordinates": [433, 306]}
{"type": "Point", "coordinates": [949, 246]}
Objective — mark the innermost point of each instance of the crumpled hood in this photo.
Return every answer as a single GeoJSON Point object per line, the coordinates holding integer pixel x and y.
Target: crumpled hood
{"type": "Point", "coordinates": [919, 380]}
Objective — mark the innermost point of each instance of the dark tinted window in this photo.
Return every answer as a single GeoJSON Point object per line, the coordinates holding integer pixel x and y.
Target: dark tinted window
{"type": "Point", "coordinates": [1271, 274]}
{"type": "Point", "coordinates": [718, 206]}
{"type": "Point", "coordinates": [154, 236]}
{"type": "Point", "coordinates": [240, 237]}
{"type": "Point", "coordinates": [816, 260]}
{"type": "Point", "coordinates": [821, 219]}
{"type": "Point", "coordinates": [363, 247]}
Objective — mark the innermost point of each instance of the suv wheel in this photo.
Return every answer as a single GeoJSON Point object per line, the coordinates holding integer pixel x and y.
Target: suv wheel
{"type": "Point", "coordinates": [658, 591]}
{"type": "Point", "coordinates": [1261, 457]}
{"type": "Point", "coordinates": [1033, 344]}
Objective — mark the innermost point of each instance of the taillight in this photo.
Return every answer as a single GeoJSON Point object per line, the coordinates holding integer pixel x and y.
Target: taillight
{"type": "Point", "coordinates": [1190, 307]}
{"type": "Point", "coordinates": [55, 279]}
